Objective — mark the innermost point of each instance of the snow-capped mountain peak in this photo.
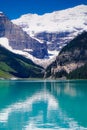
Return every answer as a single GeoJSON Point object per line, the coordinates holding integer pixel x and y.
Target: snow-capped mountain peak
{"type": "Point", "coordinates": [65, 20]}
{"type": "Point", "coordinates": [56, 29]}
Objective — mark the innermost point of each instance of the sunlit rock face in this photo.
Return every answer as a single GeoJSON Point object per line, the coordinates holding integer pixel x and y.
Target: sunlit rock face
{"type": "Point", "coordinates": [70, 58]}
{"type": "Point", "coordinates": [20, 40]}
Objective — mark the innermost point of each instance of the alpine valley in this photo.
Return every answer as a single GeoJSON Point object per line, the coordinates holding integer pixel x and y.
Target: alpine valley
{"type": "Point", "coordinates": [53, 45]}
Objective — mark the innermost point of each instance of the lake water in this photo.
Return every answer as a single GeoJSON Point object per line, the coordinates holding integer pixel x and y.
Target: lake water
{"type": "Point", "coordinates": [43, 105]}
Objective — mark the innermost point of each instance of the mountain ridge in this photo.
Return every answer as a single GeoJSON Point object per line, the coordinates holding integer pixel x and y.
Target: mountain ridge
{"type": "Point", "coordinates": [46, 19]}
{"type": "Point", "coordinates": [56, 29]}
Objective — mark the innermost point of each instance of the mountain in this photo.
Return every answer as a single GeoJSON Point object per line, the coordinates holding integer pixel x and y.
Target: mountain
{"type": "Point", "coordinates": [72, 60]}
{"type": "Point", "coordinates": [16, 66]}
{"type": "Point", "coordinates": [56, 29]}
{"type": "Point", "coordinates": [19, 40]}
{"type": "Point", "coordinates": [41, 37]}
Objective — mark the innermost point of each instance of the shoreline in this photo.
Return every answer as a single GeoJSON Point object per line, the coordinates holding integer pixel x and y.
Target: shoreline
{"type": "Point", "coordinates": [42, 80]}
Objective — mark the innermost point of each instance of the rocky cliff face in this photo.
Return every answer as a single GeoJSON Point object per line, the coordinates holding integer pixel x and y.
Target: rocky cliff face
{"type": "Point", "coordinates": [71, 57]}
{"type": "Point", "coordinates": [20, 40]}
{"type": "Point", "coordinates": [55, 41]}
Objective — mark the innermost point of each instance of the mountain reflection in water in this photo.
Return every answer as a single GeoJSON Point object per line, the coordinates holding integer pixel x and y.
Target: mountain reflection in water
{"type": "Point", "coordinates": [43, 105]}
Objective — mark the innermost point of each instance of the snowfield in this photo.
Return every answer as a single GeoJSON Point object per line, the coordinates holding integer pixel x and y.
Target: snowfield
{"type": "Point", "coordinates": [72, 19]}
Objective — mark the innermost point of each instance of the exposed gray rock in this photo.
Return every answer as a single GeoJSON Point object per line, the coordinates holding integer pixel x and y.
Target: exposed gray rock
{"type": "Point", "coordinates": [55, 41]}
{"type": "Point", "coordinates": [71, 57]}
{"type": "Point", "coordinates": [20, 40]}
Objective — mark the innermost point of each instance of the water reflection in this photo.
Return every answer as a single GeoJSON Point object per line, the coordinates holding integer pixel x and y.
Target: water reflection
{"type": "Point", "coordinates": [44, 105]}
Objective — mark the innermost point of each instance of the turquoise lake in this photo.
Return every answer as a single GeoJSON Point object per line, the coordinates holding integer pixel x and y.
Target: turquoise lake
{"type": "Point", "coordinates": [43, 105]}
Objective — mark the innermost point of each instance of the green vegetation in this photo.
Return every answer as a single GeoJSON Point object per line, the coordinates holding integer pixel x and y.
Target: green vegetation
{"type": "Point", "coordinates": [61, 74]}
{"type": "Point", "coordinates": [73, 52]}
{"type": "Point", "coordinates": [79, 73]}
{"type": "Point", "coordinates": [80, 42]}
{"type": "Point", "coordinates": [13, 65]}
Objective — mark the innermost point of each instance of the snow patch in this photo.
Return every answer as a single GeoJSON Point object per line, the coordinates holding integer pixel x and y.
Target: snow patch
{"type": "Point", "coordinates": [42, 62]}
{"type": "Point", "coordinates": [41, 41]}
{"type": "Point", "coordinates": [28, 50]}
{"type": "Point", "coordinates": [53, 53]}
{"type": "Point", "coordinates": [5, 43]}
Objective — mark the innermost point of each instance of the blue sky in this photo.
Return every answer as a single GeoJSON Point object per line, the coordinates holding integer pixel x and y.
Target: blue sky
{"type": "Point", "coordinates": [15, 8]}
